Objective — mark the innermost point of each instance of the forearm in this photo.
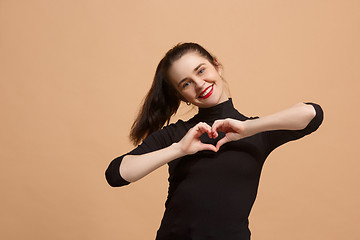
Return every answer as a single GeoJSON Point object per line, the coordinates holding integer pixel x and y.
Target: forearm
{"type": "Point", "coordinates": [294, 118]}
{"type": "Point", "coordinates": [134, 167]}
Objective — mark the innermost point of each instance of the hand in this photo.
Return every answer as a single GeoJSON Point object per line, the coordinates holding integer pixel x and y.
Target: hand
{"type": "Point", "coordinates": [234, 130]}
{"type": "Point", "coordinates": [191, 143]}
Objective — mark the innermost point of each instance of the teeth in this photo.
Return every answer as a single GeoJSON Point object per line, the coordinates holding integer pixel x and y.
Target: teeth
{"type": "Point", "coordinates": [206, 92]}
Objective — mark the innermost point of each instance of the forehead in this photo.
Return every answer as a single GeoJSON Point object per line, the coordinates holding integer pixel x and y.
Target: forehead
{"type": "Point", "coordinates": [184, 66]}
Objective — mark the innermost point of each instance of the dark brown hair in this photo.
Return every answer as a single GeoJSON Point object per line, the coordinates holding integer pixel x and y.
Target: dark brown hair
{"type": "Point", "coordinates": [163, 100]}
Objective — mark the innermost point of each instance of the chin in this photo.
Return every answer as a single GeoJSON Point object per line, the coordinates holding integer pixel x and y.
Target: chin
{"type": "Point", "coordinates": [210, 102]}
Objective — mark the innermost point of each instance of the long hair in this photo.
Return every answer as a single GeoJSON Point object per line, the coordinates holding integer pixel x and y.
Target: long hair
{"type": "Point", "coordinates": [163, 100]}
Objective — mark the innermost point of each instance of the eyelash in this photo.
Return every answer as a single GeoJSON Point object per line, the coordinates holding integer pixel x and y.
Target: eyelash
{"type": "Point", "coordinates": [201, 70]}
{"type": "Point", "coordinates": [187, 83]}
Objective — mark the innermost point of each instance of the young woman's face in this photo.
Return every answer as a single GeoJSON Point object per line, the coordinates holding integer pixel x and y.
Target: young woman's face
{"type": "Point", "coordinates": [197, 80]}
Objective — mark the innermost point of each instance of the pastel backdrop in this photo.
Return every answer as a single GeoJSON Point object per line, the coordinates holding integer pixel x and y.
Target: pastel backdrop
{"type": "Point", "coordinates": [73, 75]}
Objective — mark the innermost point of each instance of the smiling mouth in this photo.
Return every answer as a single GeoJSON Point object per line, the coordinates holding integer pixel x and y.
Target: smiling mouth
{"type": "Point", "coordinates": [207, 92]}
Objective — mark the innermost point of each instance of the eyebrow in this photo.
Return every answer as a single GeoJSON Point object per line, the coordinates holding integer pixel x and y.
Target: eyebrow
{"type": "Point", "coordinates": [195, 69]}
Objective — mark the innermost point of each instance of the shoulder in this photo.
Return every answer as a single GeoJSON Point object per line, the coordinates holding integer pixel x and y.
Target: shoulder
{"type": "Point", "coordinates": [170, 133]}
{"type": "Point", "coordinates": [239, 116]}
{"type": "Point", "coordinates": [176, 130]}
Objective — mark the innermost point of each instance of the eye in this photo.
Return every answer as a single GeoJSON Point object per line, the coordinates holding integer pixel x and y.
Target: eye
{"type": "Point", "coordinates": [185, 84]}
{"type": "Point", "coordinates": [201, 71]}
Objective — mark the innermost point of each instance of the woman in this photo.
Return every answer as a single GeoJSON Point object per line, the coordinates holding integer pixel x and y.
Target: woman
{"type": "Point", "coordinates": [215, 158]}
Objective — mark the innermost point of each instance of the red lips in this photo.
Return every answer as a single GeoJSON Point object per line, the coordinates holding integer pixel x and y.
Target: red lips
{"type": "Point", "coordinates": [207, 92]}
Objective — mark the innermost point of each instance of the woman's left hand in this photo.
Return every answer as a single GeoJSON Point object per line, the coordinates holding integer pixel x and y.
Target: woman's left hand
{"type": "Point", "coordinates": [233, 129]}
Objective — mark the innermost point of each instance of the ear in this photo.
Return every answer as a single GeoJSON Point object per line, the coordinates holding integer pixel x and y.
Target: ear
{"type": "Point", "coordinates": [218, 66]}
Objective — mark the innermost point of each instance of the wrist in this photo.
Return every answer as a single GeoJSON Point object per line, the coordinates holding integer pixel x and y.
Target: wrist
{"type": "Point", "coordinates": [254, 126]}
{"type": "Point", "coordinates": [177, 150]}
{"type": "Point", "coordinates": [247, 125]}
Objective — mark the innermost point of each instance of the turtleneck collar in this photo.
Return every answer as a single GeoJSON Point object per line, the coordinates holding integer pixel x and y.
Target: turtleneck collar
{"type": "Point", "coordinates": [220, 111]}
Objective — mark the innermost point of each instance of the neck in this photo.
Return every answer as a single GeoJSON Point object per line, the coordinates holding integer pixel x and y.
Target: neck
{"type": "Point", "coordinates": [220, 111]}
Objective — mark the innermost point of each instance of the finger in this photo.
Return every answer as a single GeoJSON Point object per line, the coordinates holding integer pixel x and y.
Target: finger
{"type": "Point", "coordinates": [217, 126]}
{"type": "Point", "coordinates": [222, 142]}
{"type": "Point", "coordinates": [221, 125]}
{"type": "Point", "coordinates": [208, 147]}
{"type": "Point", "coordinates": [202, 128]}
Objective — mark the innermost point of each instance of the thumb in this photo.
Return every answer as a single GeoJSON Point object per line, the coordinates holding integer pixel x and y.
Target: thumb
{"type": "Point", "coordinates": [208, 147]}
{"type": "Point", "coordinates": [221, 142]}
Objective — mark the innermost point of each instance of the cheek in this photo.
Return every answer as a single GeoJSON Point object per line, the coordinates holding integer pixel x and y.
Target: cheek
{"type": "Point", "coordinates": [184, 95]}
{"type": "Point", "coordinates": [187, 93]}
{"type": "Point", "coordinates": [215, 76]}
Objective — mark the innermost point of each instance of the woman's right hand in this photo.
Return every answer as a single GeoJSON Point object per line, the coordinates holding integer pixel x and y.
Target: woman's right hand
{"type": "Point", "coordinates": [134, 167]}
{"type": "Point", "coordinates": [191, 143]}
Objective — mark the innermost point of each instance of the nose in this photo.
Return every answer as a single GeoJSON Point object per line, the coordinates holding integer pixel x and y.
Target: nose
{"type": "Point", "coordinates": [199, 83]}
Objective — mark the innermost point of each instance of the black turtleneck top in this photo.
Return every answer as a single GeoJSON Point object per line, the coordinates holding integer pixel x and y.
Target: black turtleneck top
{"type": "Point", "coordinates": [211, 194]}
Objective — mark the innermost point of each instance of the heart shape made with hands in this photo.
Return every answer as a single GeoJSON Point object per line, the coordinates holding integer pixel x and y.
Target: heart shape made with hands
{"type": "Point", "coordinates": [233, 130]}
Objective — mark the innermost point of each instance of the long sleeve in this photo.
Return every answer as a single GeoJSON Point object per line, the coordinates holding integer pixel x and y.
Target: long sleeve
{"type": "Point", "coordinates": [155, 141]}
{"type": "Point", "coordinates": [112, 173]}
{"type": "Point", "coordinates": [274, 139]}
{"type": "Point", "coordinates": [211, 194]}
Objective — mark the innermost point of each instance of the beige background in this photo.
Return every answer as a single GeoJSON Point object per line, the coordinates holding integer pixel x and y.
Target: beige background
{"type": "Point", "coordinates": [73, 74]}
